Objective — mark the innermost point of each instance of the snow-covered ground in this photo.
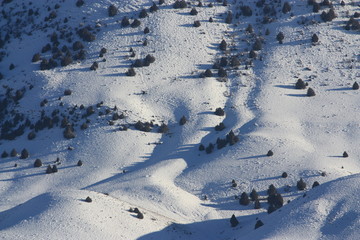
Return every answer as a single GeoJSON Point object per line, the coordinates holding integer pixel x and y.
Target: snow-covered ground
{"type": "Point", "coordinates": [182, 192]}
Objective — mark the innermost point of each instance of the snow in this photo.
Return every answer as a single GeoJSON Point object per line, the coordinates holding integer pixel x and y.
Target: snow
{"type": "Point", "coordinates": [165, 175]}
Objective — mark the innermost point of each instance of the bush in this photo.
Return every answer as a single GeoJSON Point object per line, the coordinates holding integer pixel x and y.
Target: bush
{"type": "Point", "coordinates": [209, 149]}
{"type": "Point", "coordinates": [219, 112]}
{"type": "Point", "coordinates": [201, 147]}
{"type": "Point", "coordinates": [207, 73]}
{"type": "Point", "coordinates": [211, 19]}
{"type": "Point", "coordinates": [49, 170]}
{"type": "Point", "coordinates": [314, 38]}
{"type": "Point", "coordinates": [300, 84]}
{"type": "Point", "coordinates": [197, 23]}
{"type": "Point", "coordinates": [150, 58]}
{"type": "Point", "coordinates": [220, 127]}
{"type": "Point", "coordinates": [4, 154]}
{"type": "Point", "coordinates": [37, 163]}
{"type": "Point", "coordinates": [153, 8]}
{"type": "Point", "coordinates": [88, 199]}
{"type": "Point", "coordinates": [301, 185]}
{"type": "Point", "coordinates": [271, 190]}
{"type": "Point", "coordinates": [24, 154]}
{"type": "Point", "coordinates": [77, 45]}
{"type": "Point", "coordinates": [310, 92]}
{"type": "Point", "coordinates": [355, 86]}
{"type": "Point", "coordinates": [31, 135]}
{"type": "Point", "coordinates": [125, 22]}
{"type": "Point", "coordinates": [86, 35]}
{"type": "Point", "coordinates": [67, 92]}
{"type": "Point", "coordinates": [233, 221]}
{"type": "Point", "coordinates": [223, 45]}
{"type": "Point", "coordinates": [270, 153]}
{"type": "Point", "coordinates": [36, 57]}
{"type": "Point", "coordinates": [249, 29]}
{"type": "Point", "coordinates": [183, 120]}
{"type": "Point", "coordinates": [180, 4]}
{"type": "Point", "coordinates": [276, 200]}
{"type": "Point", "coordinates": [67, 60]}
{"type": "Point", "coordinates": [143, 14]}
{"type": "Point", "coordinates": [161, 2]}
{"type": "Point", "coordinates": [136, 23]}
{"type": "Point", "coordinates": [244, 199]}
{"type": "Point", "coordinates": [94, 66]}
{"type": "Point", "coordinates": [130, 72]}
{"type": "Point", "coordinates": [234, 61]}
{"type": "Point", "coordinates": [79, 163]}
{"type": "Point", "coordinates": [257, 45]}
{"type": "Point", "coordinates": [246, 11]}
{"type": "Point", "coordinates": [222, 72]}
{"type": "Point", "coordinates": [229, 18]}
{"type": "Point", "coordinates": [13, 153]}
{"type": "Point", "coordinates": [254, 195]}
{"type": "Point", "coordinates": [193, 12]}
{"type": "Point", "coordinates": [280, 37]}
{"type": "Point", "coordinates": [328, 16]}
{"type": "Point", "coordinates": [163, 128]}
{"type": "Point", "coordinates": [140, 215]}
{"type": "Point", "coordinates": [54, 169]}
{"type": "Point", "coordinates": [79, 3]}
{"type": "Point", "coordinates": [112, 10]}
{"type": "Point", "coordinates": [257, 204]}
{"type": "Point", "coordinates": [345, 154]}
{"type": "Point", "coordinates": [252, 54]}
{"type": "Point", "coordinates": [315, 184]}
{"type": "Point", "coordinates": [146, 30]}
{"type": "Point", "coordinates": [286, 7]}
{"type": "Point", "coordinates": [258, 224]}
{"type": "Point", "coordinates": [69, 133]}
{"type": "Point", "coordinates": [284, 175]}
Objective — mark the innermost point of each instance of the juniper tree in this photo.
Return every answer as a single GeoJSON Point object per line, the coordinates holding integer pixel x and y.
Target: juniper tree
{"type": "Point", "coordinates": [258, 224]}
{"type": "Point", "coordinates": [257, 204]}
{"type": "Point", "coordinates": [24, 154]}
{"type": "Point", "coordinates": [233, 221]}
{"type": "Point", "coordinates": [300, 84]}
{"type": "Point", "coordinates": [193, 12]}
{"type": "Point", "coordinates": [112, 10]}
{"type": "Point", "coordinates": [257, 45]}
{"type": "Point", "coordinates": [183, 120]}
{"type": "Point", "coordinates": [314, 38]}
{"type": "Point", "coordinates": [355, 86]}
{"type": "Point", "coordinates": [301, 185]}
{"type": "Point", "coordinates": [284, 175]}
{"type": "Point", "coordinates": [254, 195]}
{"type": "Point", "coordinates": [4, 154]}
{"type": "Point", "coordinates": [223, 45]}
{"type": "Point", "coordinates": [88, 199]}
{"type": "Point", "coordinates": [219, 112]}
{"type": "Point", "coordinates": [286, 7]}
{"type": "Point", "coordinates": [345, 154]}
{"type": "Point", "coordinates": [244, 199]}
{"type": "Point", "coordinates": [315, 184]}
{"type": "Point", "coordinates": [143, 14]}
{"type": "Point", "coordinates": [310, 92]}
{"type": "Point", "coordinates": [37, 163]}
{"type": "Point", "coordinates": [79, 163]}
{"type": "Point", "coordinates": [271, 190]}
{"type": "Point", "coordinates": [125, 22]}
{"type": "Point", "coordinates": [280, 37]}
{"type": "Point", "coordinates": [270, 153]}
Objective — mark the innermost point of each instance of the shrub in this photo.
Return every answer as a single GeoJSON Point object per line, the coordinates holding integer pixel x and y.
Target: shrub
{"type": "Point", "coordinates": [112, 10]}
{"type": "Point", "coordinates": [161, 2]}
{"type": "Point", "coordinates": [328, 16]}
{"type": "Point", "coordinates": [146, 30]}
{"type": "Point", "coordinates": [284, 175]}
{"type": "Point", "coordinates": [94, 66]}
{"type": "Point", "coordinates": [136, 23]}
{"type": "Point", "coordinates": [84, 126]}
{"type": "Point", "coordinates": [345, 154]}
{"type": "Point", "coordinates": [258, 224]}
{"type": "Point", "coordinates": [125, 22]}
{"type": "Point", "coordinates": [223, 45]}
{"type": "Point", "coordinates": [54, 169]}
{"type": "Point", "coordinates": [234, 62]}
{"type": "Point", "coordinates": [249, 29]}
{"type": "Point", "coordinates": [246, 11]}
{"type": "Point", "coordinates": [211, 19]}
{"type": "Point", "coordinates": [143, 14]}
{"type": "Point", "coordinates": [150, 58]}
{"type": "Point", "coordinates": [183, 120]}
{"type": "Point", "coordinates": [315, 184]}
{"type": "Point", "coordinates": [86, 35]}
{"type": "Point", "coordinates": [31, 135]}
{"type": "Point", "coordinates": [276, 200]}
{"type": "Point", "coordinates": [301, 185]}
{"type": "Point", "coordinates": [219, 112]}
{"type": "Point", "coordinates": [257, 45]}
{"type": "Point", "coordinates": [254, 195]}
{"type": "Point", "coordinates": [4, 154]}
{"type": "Point", "coordinates": [229, 18]}
{"type": "Point", "coordinates": [201, 147]}
{"type": "Point", "coordinates": [88, 199]}
{"type": "Point", "coordinates": [314, 38]}
{"type": "Point", "coordinates": [267, 32]}
{"type": "Point", "coordinates": [280, 37]}
{"type": "Point", "coordinates": [24, 154]}
{"type": "Point", "coordinates": [222, 72]}
{"type": "Point", "coordinates": [207, 73]}
{"type": "Point", "coordinates": [153, 8]}
{"type": "Point", "coordinates": [270, 153]}
{"type": "Point", "coordinates": [197, 23]}
{"type": "Point", "coordinates": [77, 45]}
{"type": "Point", "coordinates": [79, 163]}
{"type": "Point", "coordinates": [163, 128]}
{"type": "Point", "coordinates": [37, 163]}
{"type": "Point", "coordinates": [180, 4]}
{"type": "Point", "coordinates": [252, 54]}
{"type": "Point", "coordinates": [13, 153]}
{"type": "Point", "coordinates": [140, 215]}
{"type": "Point", "coordinates": [300, 84]}
{"type": "Point", "coordinates": [67, 92]}
{"type": "Point", "coordinates": [36, 57]}
{"type": "Point", "coordinates": [193, 12]}
{"type": "Point", "coordinates": [220, 127]}
{"type": "Point", "coordinates": [310, 92]}
{"type": "Point", "coordinates": [209, 149]}
{"type": "Point", "coordinates": [49, 169]}
{"type": "Point", "coordinates": [244, 199]}
{"type": "Point", "coordinates": [355, 86]}
{"type": "Point", "coordinates": [233, 221]}
{"type": "Point", "coordinates": [67, 60]}
{"type": "Point", "coordinates": [130, 72]}
{"type": "Point", "coordinates": [271, 190]}
{"type": "Point", "coordinates": [286, 7]}
{"type": "Point", "coordinates": [69, 133]}
{"type": "Point", "coordinates": [257, 204]}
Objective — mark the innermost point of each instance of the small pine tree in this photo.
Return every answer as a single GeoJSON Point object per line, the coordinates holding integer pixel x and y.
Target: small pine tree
{"type": "Point", "coordinates": [207, 73]}
{"type": "Point", "coordinates": [310, 92]}
{"type": "Point", "coordinates": [143, 14]}
{"type": "Point", "coordinates": [136, 23]}
{"type": "Point", "coordinates": [88, 199]}
{"type": "Point", "coordinates": [270, 153]}
{"type": "Point", "coordinates": [258, 224]}
{"type": "Point", "coordinates": [112, 10]}
{"type": "Point", "coordinates": [146, 30]}
{"type": "Point", "coordinates": [37, 163]}
{"type": "Point", "coordinates": [49, 170]}
{"type": "Point", "coordinates": [125, 22]}
{"type": "Point", "coordinates": [301, 185]}
{"type": "Point", "coordinates": [300, 84]}
{"type": "Point", "coordinates": [140, 215]}
{"type": "Point", "coordinates": [249, 29]}
{"type": "Point", "coordinates": [193, 12]}
{"type": "Point", "coordinates": [183, 120]}
{"type": "Point", "coordinates": [345, 154]}
{"type": "Point", "coordinates": [254, 195]}
{"type": "Point", "coordinates": [223, 45]}
{"type": "Point", "coordinates": [355, 86]}
{"type": "Point", "coordinates": [4, 154]}
{"type": "Point", "coordinates": [211, 19]}
{"type": "Point", "coordinates": [280, 37]}
{"type": "Point", "coordinates": [244, 199]}
{"type": "Point", "coordinates": [257, 45]}
{"type": "Point", "coordinates": [284, 175]}
{"type": "Point", "coordinates": [315, 184]}
{"type": "Point", "coordinates": [272, 190]}
{"type": "Point", "coordinates": [24, 154]}
{"type": "Point", "coordinates": [314, 38]}
{"type": "Point", "coordinates": [286, 7]}
{"type": "Point", "coordinates": [219, 112]}
{"type": "Point", "coordinates": [201, 147]}
{"type": "Point", "coordinates": [222, 72]}
{"type": "Point", "coordinates": [130, 72]}
{"type": "Point", "coordinates": [257, 204]}
{"type": "Point", "coordinates": [79, 163]}
{"type": "Point", "coordinates": [13, 153]}
{"type": "Point", "coordinates": [233, 221]}
{"type": "Point", "coordinates": [54, 169]}
{"type": "Point", "coordinates": [197, 23]}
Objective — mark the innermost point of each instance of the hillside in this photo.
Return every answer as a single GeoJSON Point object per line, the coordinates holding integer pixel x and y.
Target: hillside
{"type": "Point", "coordinates": [122, 108]}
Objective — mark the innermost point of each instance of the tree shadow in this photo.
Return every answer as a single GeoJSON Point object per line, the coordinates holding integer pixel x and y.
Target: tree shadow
{"type": "Point", "coordinates": [296, 95]}
{"type": "Point", "coordinates": [340, 89]}
{"type": "Point", "coordinates": [285, 86]}
{"type": "Point", "coordinates": [254, 157]}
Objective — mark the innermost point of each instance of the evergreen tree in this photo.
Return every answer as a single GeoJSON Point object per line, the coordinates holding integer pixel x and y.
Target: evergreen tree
{"type": "Point", "coordinates": [314, 38]}
{"type": "Point", "coordinates": [223, 45]}
{"type": "Point", "coordinates": [286, 7]}
{"type": "Point", "coordinates": [233, 221]}
{"type": "Point", "coordinates": [280, 37]}
{"type": "Point", "coordinates": [112, 10]}
{"type": "Point", "coordinates": [244, 199]}
{"type": "Point", "coordinates": [257, 204]}
{"type": "Point", "coordinates": [258, 224]}
{"type": "Point", "coordinates": [24, 154]}
{"type": "Point", "coordinates": [355, 86]}
{"type": "Point", "coordinates": [301, 185]}
{"type": "Point", "coordinates": [37, 163]}
{"type": "Point", "coordinates": [310, 92]}
{"type": "Point", "coordinates": [254, 195]}
{"type": "Point", "coordinates": [300, 84]}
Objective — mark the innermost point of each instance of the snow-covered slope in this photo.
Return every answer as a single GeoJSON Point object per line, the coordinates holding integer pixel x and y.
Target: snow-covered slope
{"type": "Point", "coordinates": [182, 192]}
